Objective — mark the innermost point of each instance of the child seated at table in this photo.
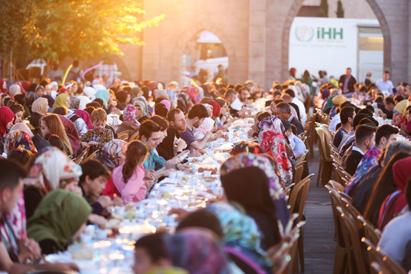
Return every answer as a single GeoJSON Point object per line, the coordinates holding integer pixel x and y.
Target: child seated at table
{"type": "Point", "coordinates": [99, 135]}
{"type": "Point", "coordinates": [129, 177]}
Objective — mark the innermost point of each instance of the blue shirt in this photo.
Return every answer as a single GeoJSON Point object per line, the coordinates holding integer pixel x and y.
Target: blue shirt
{"type": "Point", "coordinates": [154, 161]}
{"type": "Point", "coordinates": [297, 145]}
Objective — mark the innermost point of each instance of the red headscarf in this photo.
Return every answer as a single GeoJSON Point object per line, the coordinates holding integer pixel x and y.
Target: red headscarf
{"type": "Point", "coordinates": [402, 174]}
{"type": "Point", "coordinates": [6, 116]}
{"type": "Point", "coordinates": [85, 116]}
{"type": "Point", "coordinates": [216, 106]}
{"type": "Point", "coordinates": [396, 201]}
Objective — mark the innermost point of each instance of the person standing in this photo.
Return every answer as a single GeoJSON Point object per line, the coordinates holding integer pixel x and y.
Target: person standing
{"type": "Point", "coordinates": [385, 84]}
{"type": "Point", "coordinates": [347, 82]}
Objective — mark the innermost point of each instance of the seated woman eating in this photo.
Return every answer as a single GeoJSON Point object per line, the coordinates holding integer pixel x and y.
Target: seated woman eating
{"type": "Point", "coordinates": [58, 220]}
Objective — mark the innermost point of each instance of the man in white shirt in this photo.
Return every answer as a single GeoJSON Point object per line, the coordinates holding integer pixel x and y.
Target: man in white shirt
{"type": "Point", "coordinates": [385, 84]}
{"type": "Point", "coordinates": [300, 105]}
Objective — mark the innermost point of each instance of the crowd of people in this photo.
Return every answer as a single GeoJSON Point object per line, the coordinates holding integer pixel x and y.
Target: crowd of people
{"type": "Point", "coordinates": [71, 152]}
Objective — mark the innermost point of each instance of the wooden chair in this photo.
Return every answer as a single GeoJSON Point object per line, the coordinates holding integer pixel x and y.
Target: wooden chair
{"type": "Point", "coordinates": [341, 254]}
{"type": "Point", "coordinates": [92, 156]}
{"type": "Point", "coordinates": [299, 170]}
{"type": "Point", "coordinates": [336, 185]}
{"type": "Point", "coordinates": [325, 169]}
{"type": "Point", "coordinates": [311, 135]}
{"type": "Point", "coordinates": [357, 259]}
{"type": "Point", "coordinates": [381, 263]}
{"type": "Point", "coordinates": [369, 231]}
{"type": "Point", "coordinates": [282, 254]}
{"type": "Point", "coordinates": [297, 199]}
{"type": "Point", "coordinates": [123, 135]}
{"type": "Point", "coordinates": [79, 159]}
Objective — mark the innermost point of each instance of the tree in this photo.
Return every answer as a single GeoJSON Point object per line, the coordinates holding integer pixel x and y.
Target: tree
{"type": "Point", "coordinates": [84, 29]}
{"type": "Point", "coordinates": [14, 15]}
{"type": "Point", "coordinates": [324, 8]}
{"type": "Point", "coordinates": [340, 9]}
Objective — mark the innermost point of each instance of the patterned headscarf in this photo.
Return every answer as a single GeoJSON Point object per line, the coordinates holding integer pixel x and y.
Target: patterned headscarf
{"type": "Point", "coordinates": [270, 123]}
{"type": "Point", "coordinates": [129, 114]}
{"type": "Point", "coordinates": [244, 160]}
{"type": "Point", "coordinates": [56, 166]}
{"type": "Point", "coordinates": [196, 251]}
{"type": "Point", "coordinates": [252, 160]}
{"type": "Point", "coordinates": [142, 103]}
{"type": "Point", "coordinates": [239, 229]}
{"type": "Point", "coordinates": [18, 140]}
{"type": "Point", "coordinates": [111, 153]}
{"type": "Point", "coordinates": [22, 127]}
{"type": "Point", "coordinates": [273, 142]}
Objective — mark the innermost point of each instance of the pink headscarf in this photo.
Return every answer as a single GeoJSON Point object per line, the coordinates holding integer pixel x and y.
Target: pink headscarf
{"type": "Point", "coordinates": [166, 103]}
{"type": "Point", "coordinates": [85, 116]}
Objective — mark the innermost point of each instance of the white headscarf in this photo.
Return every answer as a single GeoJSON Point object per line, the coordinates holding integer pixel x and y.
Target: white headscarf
{"type": "Point", "coordinates": [56, 166]}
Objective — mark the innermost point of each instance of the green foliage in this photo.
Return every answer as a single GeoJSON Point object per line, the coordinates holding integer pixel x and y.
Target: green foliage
{"type": "Point", "coordinates": [14, 15]}
{"type": "Point", "coordinates": [324, 8]}
{"type": "Point", "coordinates": [56, 29]}
{"type": "Point", "coordinates": [340, 9]}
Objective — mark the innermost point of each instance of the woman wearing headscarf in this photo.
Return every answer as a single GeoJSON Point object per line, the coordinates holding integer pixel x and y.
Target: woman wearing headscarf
{"type": "Point", "coordinates": [22, 127]}
{"type": "Point", "coordinates": [62, 100]}
{"type": "Point", "coordinates": [111, 156]}
{"type": "Point", "coordinates": [6, 122]}
{"type": "Point", "coordinates": [130, 123]}
{"type": "Point", "coordinates": [252, 159]}
{"type": "Point", "coordinates": [396, 202]}
{"type": "Point", "coordinates": [51, 170]}
{"type": "Point", "coordinates": [248, 185]}
{"type": "Point", "coordinates": [102, 93]}
{"type": "Point", "coordinates": [85, 116]}
{"type": "Point", "coordinates": [18, 140]}
{"type": "Point", "coordinates": [196, 251]}
{"type": "Point", "coordinates": [240, 232]}
{"type": "Point", "coordinates": [72, 134]}
{"type": "Point", "coordinates": [272, 141]}
{"type": "Point", "coordinates": [142, 109]}
{"type": "Point", "coordinates": [39, 108]}
{"type": "Point", "coordinates": [58, 220]}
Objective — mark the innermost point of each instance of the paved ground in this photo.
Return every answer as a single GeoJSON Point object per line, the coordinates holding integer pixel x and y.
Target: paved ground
{"type": "Point", "coordinates": [319, 229]}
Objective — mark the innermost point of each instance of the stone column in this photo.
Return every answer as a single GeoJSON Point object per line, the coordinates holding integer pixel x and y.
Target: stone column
{"type": "Point", "coordinates": [397, 17]}
{"type": "Point", "coordinates": [257, 41]}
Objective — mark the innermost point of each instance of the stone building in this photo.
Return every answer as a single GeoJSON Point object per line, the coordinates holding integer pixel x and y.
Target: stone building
{"type": "Point", "coordinates": [255, 34]}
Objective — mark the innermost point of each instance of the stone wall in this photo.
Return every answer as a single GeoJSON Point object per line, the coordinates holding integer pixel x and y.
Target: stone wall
{"type": "Point", "coordinates": [352, 8]}
{"type": "Point", "coordinates": [255, 34]}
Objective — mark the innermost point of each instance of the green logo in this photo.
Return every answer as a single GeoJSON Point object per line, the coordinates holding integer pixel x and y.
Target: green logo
{"type": "Point", "coordinates": [330, 33]}
{"type": "Point", "coordinates": [304, 33]}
